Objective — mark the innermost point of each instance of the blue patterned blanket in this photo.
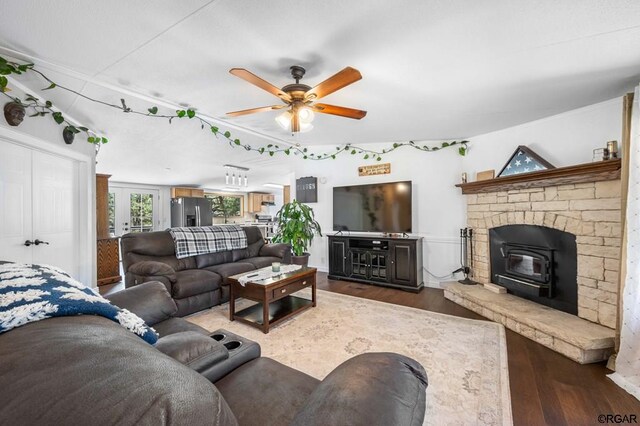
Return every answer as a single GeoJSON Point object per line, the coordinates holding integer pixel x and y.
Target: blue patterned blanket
{"type": "Point", "coordinates": [196, 240]}
{"type": "Point", "coordinates": [30, 293]}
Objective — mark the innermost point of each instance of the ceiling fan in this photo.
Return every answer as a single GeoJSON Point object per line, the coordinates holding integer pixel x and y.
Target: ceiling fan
{"type": "Point", "coordinates": [299, 98]}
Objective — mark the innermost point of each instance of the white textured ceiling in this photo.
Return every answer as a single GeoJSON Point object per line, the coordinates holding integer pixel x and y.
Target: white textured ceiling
{"type": "Point", "coordinates": [431, 69]}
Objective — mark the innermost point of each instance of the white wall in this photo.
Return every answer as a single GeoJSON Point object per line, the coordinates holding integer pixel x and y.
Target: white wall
{"type": "Point", "coordinates": [439, 208]}
{"type": "Point", "coordinates": [563, 140]}
{"type": "Point", "coordinates": [436, 213]}
{"type": "Point", "coordinates": [42, 133]}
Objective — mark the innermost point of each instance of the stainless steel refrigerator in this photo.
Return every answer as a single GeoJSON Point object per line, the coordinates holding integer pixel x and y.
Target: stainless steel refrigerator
{"type": "Point", "coordinates": [191, 212]}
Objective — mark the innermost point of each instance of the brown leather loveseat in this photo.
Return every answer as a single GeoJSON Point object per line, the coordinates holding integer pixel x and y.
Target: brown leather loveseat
{"type": "Point", "coordinates": [197, 282]}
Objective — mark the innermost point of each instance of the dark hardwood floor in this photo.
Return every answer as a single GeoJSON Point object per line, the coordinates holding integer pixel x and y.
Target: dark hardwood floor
{"type": "Point", "coordinates": [546, 387]}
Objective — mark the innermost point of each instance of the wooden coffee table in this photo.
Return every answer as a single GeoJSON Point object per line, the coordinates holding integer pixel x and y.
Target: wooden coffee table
{"type": "Point", "coordinates": [274, 296]}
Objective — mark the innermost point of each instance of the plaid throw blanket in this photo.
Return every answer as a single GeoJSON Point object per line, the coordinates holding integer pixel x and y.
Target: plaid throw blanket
{"type": "Point", "coordinates": [30, 293]}
{"type": "Point", "coordinates": [207, 239]}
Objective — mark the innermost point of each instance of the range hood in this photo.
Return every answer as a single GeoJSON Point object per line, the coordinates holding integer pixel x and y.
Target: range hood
{"type": "Point", "coordinates": [268, 203]}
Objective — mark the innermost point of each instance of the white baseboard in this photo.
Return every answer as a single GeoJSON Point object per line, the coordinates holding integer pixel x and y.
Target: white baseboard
{"type": "Point", "coordinates": [320, 268]}
{"type": "Point", "coordinates": [432, 284]}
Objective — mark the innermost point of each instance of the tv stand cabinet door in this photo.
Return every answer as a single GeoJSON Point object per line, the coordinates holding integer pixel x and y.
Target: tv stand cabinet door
{"type": "Point", "coordinates": [403, 263]}
{"type": "Point", "coordinates": [338, 251]}
{"type": "Point", "coordinates": [358, 264]}
{"type": "Point", "coordinates": [378, 266]}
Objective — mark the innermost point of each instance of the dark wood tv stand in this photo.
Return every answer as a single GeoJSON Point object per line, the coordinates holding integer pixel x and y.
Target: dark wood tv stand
{"type": "Point", "coordinates": [379, 260]}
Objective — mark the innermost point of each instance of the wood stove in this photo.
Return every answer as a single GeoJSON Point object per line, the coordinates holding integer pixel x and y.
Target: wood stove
{"type": "Point", "coordinates": [527, 268]}
{"type": "Point", "coordinates": [536, 263]}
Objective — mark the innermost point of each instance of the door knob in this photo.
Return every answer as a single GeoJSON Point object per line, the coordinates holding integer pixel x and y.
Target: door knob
{"type": "Point", "coordinates": [28, 243]}
{"type": "Point", "coordinates": [38, 242]}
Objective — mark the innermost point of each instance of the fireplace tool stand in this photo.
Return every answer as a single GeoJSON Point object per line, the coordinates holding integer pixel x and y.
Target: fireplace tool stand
{"type": "Point", "coordinates": [466, 253]}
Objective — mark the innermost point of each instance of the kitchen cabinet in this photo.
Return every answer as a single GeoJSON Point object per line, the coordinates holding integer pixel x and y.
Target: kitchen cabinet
{"type": "Point", "coordinates": [108, 250]}
{"type": "Point", "coordinates": [179, 192]}
{"type": "Point", "coordinates": [256, 200]}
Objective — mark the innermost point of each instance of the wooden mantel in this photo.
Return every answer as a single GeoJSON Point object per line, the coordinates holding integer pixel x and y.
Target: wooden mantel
{"type": "Point", "coordinates": [588, 172]}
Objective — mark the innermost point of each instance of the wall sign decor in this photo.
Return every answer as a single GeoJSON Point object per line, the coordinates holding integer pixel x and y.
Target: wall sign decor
{"type": "Point", "coordinates": [375, 169]}
{"type": "Point", "coordinates": [524, 160]}
{"type": "Point", "coordinates": [307, 189]}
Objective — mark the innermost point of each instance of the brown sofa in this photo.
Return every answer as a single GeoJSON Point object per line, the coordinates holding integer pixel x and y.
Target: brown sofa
{"type": "Point", "coordinates": [88, 370]}
{"type": "Point", "coordinates": [197, 282]}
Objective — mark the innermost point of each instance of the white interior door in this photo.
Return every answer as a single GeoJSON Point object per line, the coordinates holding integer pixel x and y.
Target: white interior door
{"type": "Point", "coordinates": [15, 203]}
{"type": "Point", "coordinates": [55, 211]}
{"type": "Point", "coordinates": [133, 210]}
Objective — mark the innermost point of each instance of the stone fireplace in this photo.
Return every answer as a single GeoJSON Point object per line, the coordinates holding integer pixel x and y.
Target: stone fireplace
{"type": "Point", "coordinates": [554, 246]}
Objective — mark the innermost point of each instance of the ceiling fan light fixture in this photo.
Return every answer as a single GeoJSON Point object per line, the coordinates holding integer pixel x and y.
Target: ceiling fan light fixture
{"type": "Point", "coordinates": [306, 115]}
{"type": "Point", "coordinates": [284, 120]}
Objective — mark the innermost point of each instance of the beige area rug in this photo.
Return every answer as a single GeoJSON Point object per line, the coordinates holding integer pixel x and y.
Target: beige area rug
{"type": "Point", "coordinates": [465, 360]}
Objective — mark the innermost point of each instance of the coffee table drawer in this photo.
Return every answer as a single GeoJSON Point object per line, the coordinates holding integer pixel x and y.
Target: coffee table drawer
{"type": "Point", "coordinates": [291, 288]}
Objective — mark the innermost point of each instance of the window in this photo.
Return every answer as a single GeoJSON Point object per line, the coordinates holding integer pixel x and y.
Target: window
{"type": "Point", "coordinates": [226, 206]}
{"type": "Point", "coordinates": [141, 213]}
{"type": "Point", "coordinates": [112, 213]}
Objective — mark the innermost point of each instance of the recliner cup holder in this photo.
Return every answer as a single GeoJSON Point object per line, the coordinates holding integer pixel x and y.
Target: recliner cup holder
{"type": "Point", "coordinates": [218, 337]}
{"type": "Point", "coordinates": [233, 345]}
{"type": "Point", "coordinates": [239, 351]}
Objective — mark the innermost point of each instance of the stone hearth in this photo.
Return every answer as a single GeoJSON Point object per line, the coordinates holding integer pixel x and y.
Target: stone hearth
{"type": "Point", "coordinates": [582, 341]}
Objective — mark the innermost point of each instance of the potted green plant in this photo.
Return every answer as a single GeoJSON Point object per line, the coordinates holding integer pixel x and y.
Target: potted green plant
{"type": "Point", "coordinates": [297, 226]}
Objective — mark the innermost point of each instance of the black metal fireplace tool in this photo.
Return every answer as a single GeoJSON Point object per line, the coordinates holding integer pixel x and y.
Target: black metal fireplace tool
{"type": "Point", "coordinates": [466, 253]}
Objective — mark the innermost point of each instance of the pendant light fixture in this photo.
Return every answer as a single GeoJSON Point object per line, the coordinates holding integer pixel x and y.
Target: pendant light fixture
{"type": "Point", "coordinates": [241, 180]}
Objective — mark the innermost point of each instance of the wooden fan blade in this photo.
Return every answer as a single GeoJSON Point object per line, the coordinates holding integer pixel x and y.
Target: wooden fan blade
{"type": "Point", "coordinates": [252, 110]}
{"type": "Point", "coordinates": [336, 82]}
{"type": "Point", "coordinates": [257, 81]}
{"type": "Point", "coordinates": [338, 110]}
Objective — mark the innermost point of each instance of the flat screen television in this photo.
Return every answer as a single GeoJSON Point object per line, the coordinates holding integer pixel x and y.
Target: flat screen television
{"type": "Point", "coordinates": [380, 207]}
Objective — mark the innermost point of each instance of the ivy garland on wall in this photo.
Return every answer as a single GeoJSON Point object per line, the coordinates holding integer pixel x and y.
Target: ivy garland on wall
{"type": "Point", "coordinates": [37, 108]}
